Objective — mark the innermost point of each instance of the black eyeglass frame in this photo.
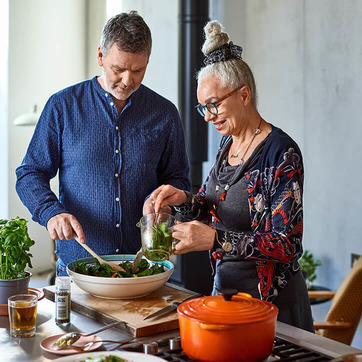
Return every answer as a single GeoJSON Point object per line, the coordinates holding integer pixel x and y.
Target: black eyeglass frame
{"type": "Point", "coordinates": [201, 109]}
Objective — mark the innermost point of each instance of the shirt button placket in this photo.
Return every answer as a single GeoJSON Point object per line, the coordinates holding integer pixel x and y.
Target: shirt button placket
{"type": "Point", "coordinates": [118, 158]}
{"type": "Point", "coordinates": [117, 177]}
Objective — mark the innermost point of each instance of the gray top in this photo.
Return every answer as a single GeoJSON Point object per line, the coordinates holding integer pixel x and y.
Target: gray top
{"type": "Point", "coordinates": [236, 272]}
{"type": "Point", "coordinates": [233, 212]}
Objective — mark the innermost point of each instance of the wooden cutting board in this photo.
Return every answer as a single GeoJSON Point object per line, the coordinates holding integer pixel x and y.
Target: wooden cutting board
{"type": "Point", "coordinates": [130, 311]}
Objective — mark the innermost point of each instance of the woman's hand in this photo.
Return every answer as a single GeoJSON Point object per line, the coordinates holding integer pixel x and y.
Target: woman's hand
{"type": "Point", "coordinates": [166, 195]}
{"type": "Point", "coordinates": [149, 207]}
{"type": "Point", "coordinates": [193, 236]}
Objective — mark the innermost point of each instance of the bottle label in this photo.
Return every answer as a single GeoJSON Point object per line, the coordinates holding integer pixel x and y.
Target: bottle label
{"type": "Point", "coordinates": [62, 307]}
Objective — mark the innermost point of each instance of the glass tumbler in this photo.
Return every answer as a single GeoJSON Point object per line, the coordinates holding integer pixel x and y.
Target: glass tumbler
{"type": "Point", "coordinates": [22, 315]}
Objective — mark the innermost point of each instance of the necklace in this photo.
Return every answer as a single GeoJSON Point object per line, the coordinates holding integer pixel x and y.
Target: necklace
{"type": "Point", "coordinates": [227, 186]}
{"type": "Point", "coordinates": [257, 131]}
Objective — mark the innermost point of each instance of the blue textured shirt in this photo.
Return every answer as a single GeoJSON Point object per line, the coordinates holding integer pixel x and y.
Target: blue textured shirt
{"type": "Point", "coordinates": [108, 164]}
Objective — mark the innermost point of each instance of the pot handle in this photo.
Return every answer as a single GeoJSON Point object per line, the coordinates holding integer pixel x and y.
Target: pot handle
{"type": "Point", "coordinates": [215, 327]}
{"type": "Point", "coordinates": [229, 293]}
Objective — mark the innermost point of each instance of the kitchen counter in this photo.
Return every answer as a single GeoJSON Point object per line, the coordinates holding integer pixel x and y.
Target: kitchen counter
{"type": "Point", "coordinates": [28, 349]}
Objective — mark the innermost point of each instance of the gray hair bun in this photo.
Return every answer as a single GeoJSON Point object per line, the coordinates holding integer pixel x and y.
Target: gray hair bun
{"type": "Point", "coordinates": [215, 38]}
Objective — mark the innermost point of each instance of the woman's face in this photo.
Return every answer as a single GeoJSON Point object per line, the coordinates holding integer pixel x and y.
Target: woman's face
{"type": "Point", "coordinates": [231, 111]}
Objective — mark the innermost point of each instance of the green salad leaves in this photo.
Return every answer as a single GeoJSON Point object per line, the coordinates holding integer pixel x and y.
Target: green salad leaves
{"type": "Point", "coordinates": [103, 270]}
{"type": "Point", "coordinates": [162, 236]}
{"type": "Point", "coordinates": [161, 243]}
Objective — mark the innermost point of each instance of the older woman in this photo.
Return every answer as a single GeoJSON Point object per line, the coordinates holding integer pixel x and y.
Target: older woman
{"type": "Point", "coordinates": [248, 213]}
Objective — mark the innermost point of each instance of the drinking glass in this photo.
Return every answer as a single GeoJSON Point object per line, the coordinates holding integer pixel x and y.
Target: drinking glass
{"type": "Point", "coordinates": [22, 315]}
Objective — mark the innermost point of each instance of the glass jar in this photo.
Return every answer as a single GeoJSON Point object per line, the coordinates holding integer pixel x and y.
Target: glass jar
{"type": "Point", "coordinates": [62, 300]}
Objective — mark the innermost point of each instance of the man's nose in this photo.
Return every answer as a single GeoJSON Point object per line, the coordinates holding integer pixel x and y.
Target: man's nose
{"type": "Point", "coordinates": [127, 79]}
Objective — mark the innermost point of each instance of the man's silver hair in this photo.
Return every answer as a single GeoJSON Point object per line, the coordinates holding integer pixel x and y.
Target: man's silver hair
{"type": "Point", "coordinates": [129, 32]}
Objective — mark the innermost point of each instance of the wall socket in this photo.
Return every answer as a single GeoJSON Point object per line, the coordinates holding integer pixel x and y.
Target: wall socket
{"type": "Point", "coordinates": [354, 258]}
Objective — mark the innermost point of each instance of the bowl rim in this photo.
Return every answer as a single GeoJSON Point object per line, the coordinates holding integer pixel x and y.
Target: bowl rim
{"type": "Point", "coordinates": [119, 257]}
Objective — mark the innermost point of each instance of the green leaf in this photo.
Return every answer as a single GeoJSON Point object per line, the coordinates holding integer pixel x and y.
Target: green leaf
{"type": "Point", "coordinates": [309, 264]}
{"type": "Point", "coordinates": [143, 265]}
{"type": "Point", "coordinates": [145, 273]}
{"type": "Point", "coordinates": [14, 248]}
{"type": "Point", "coordinates": [125, 274]}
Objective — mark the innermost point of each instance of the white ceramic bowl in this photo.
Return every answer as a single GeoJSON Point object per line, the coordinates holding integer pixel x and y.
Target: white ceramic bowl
{"type": "Point", "coordinates": [119, 288]}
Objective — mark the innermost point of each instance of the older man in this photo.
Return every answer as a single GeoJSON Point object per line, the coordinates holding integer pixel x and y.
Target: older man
{"type": "Point", "coordinates": [113, 141]}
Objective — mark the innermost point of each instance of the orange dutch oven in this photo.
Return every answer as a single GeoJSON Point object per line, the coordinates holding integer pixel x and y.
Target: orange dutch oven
{"type": "Point", "coordinates": [229, 327]}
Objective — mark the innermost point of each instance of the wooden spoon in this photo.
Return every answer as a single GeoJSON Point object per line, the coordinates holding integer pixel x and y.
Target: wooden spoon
{"type": "Point", "coordinates": [114, 266]}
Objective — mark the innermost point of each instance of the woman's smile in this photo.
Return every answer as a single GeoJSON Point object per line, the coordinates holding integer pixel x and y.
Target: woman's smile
{"type": "Point", "coordinates": [219, 124]}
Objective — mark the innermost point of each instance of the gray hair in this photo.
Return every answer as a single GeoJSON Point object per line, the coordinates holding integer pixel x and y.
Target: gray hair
{"type": "Point", "coordinates": [232, 72]}
{"type": "Point", "coordinates": [129, 32]}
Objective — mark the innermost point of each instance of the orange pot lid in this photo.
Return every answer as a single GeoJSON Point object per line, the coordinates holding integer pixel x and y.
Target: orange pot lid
{"type": "Point", "coordinates": [241, 308]}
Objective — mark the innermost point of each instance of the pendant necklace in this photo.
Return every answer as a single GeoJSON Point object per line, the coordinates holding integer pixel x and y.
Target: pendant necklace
{"type": "Point", "coordinates": [227, 186]}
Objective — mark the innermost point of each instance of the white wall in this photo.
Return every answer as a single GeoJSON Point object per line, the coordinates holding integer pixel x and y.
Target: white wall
{"type": "Point", "coordinates": [46, 53]}
{"type": "Point", "coordinates": [4, 50]}
{"type": "Point", "coordinates": [96, 16]}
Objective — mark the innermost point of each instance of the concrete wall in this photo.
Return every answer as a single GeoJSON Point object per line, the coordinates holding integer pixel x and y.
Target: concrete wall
{"type": "Point", "coordinates": [306, 57]}
{"type": "Point", "coordinates": [162, 18]}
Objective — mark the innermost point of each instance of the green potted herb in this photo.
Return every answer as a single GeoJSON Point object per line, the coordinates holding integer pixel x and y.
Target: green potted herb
{"type": "Point", "coordinates": [309, 264]}
{"type": "Point", "coordinates": [14, 257]}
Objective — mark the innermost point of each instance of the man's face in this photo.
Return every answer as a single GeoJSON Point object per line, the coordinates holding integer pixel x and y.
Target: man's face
{"type": "Point", "coordinates": [123, 72]}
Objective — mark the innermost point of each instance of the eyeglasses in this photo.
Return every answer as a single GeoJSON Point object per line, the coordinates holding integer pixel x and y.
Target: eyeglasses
{"type": "Point", "coordinates": [212, 106]}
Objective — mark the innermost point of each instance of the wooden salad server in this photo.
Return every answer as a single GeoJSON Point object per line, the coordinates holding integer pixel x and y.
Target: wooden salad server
{"type": "Point", "coordinates": [114, 266]}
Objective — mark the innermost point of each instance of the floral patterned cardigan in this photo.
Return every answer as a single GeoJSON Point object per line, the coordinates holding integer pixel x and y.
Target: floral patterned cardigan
{"type": "Point", "coordinates": [275, 189]}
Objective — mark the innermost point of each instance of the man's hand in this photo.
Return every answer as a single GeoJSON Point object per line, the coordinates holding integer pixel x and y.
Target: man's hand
{"type": "Point", "coordinates": [64, 227]}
